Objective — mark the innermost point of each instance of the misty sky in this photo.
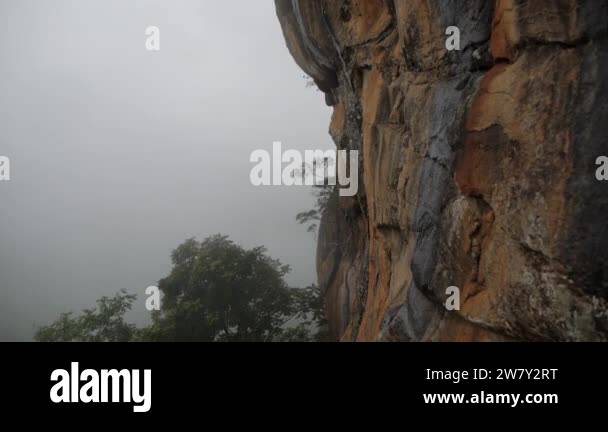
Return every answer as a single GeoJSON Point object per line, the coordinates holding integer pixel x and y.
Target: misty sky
{"type": "Point", "coordinates": [119, 154]}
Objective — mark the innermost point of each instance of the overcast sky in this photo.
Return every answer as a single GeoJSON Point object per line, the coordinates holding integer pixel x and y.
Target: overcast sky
{"type": "Point", "coordinates": [119, 154]}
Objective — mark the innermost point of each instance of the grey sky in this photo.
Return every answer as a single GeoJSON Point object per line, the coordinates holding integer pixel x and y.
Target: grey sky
{"type": "Point", "coordinates": [119, 154]}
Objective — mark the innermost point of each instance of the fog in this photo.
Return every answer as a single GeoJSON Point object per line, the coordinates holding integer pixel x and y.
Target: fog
{"type": "Point", "coordinates": [118, 154]}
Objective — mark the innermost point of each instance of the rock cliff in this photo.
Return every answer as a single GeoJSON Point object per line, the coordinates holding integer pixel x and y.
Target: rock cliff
{"type": "Point", "coordinates": [477, 166]}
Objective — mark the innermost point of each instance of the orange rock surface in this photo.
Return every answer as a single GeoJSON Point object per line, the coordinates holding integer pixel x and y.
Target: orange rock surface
{"type": "Point", "coordinates": [477, 166]}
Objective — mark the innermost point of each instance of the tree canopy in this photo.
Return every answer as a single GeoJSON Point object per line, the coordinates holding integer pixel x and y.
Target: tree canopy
{"type": "Point", "coordinates": [104, 323]}
{"type": "Point", "coordinates": [216, 291]}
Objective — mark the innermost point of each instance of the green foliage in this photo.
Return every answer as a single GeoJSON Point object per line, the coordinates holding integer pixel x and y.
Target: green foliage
{"type": "Point", "coordinates": [312, 217]}
{"type": "Point", "coordinates": [219, 291]}
{"type": "Point", "coordinates": [216, 291]}
{"type": "Point", "coordinates": [309, 304]}
{"type": "Point", "coordinates": [105, 323]}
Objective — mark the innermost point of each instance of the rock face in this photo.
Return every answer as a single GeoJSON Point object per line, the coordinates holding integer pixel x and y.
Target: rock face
{"type": "Point", "coordinates": [477, 166]}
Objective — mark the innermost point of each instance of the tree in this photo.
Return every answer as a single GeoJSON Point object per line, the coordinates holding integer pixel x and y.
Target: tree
{"type": "Point", "coordinates": [310, 323]}
{"type": "Point", "coordinates": [216, 291]}
{"type": "Point", "coordinates": [219, 291]}
{"type": "Point", "coordinates": [105, 323]}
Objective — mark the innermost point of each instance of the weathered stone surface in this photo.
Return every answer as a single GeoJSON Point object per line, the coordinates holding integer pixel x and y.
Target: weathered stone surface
{"type": "Point", "coordinates": [477, 166]}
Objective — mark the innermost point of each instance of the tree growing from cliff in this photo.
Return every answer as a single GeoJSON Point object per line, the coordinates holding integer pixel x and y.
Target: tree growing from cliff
{"type": "Point", "coordinates": [216, 291]}
{"type": "Point", "coordinates": [312, 217]}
